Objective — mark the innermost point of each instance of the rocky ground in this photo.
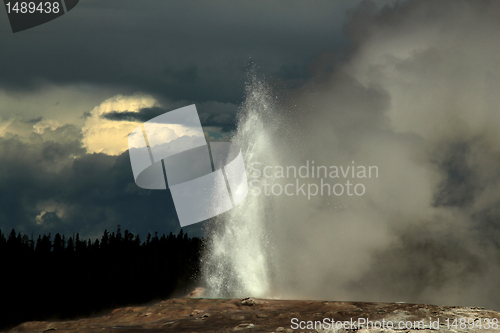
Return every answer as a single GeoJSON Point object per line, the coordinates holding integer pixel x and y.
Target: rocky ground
{"type": "Point", "coordinates": [265, 315]}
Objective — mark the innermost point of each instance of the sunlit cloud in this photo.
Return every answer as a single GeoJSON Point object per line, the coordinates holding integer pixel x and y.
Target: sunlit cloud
{"type": "Point", "coordinates": [101, 135]}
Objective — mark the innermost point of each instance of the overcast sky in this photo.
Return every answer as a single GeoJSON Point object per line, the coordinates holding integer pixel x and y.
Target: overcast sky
{"type": "Point", "coordinates": [71, 91]}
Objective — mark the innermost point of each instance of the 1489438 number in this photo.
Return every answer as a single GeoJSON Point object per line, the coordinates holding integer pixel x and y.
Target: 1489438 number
{"type": "Point", "coordinates": [31, 7]}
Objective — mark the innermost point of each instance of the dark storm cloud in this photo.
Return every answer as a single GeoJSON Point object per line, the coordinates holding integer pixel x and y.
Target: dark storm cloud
{"type": "Point", "coordinates": [34, 120]}
{"type": "Point", "coordinates": [180, 50]}
{"type": "Point", "coordinates": [142, 115]}
{"type": "Point", "coordinates": [44, 188]}
{"type": "Point", "coordinates": [182, 76]}
{"type": "Point", "coordinates": [212, 114]}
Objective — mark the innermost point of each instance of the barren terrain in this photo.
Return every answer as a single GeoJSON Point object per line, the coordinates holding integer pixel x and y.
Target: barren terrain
{"type": "Point", "coordinates": [266, 315]}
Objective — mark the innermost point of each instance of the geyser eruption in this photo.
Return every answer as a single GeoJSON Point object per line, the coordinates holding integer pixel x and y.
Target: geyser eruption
{"type": "Point", "coordinates": [417, 98]}
{"type": "Point", "coordinates": [236, 263]}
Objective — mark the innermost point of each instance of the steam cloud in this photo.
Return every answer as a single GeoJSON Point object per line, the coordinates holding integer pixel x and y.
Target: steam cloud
{"type": "Point", "coordinates": [418, 97]}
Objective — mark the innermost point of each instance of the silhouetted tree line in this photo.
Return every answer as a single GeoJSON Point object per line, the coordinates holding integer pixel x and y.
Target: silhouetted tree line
{"type": "Point", "coordinates": [63, 277]}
